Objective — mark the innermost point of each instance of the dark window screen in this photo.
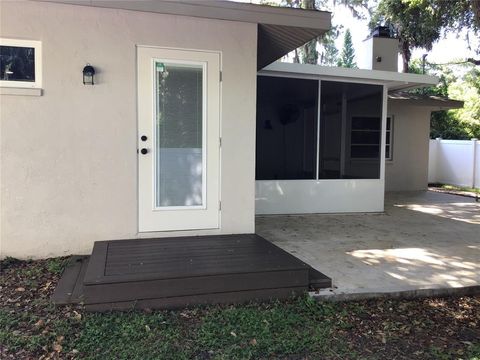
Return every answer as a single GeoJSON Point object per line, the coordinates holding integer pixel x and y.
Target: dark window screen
{"type": "Point", "coordinates": [349, 135]}
{"type": "Point", "coordinates": [286, 128]}
{"type": "Point", "coordinates": [350, 130]}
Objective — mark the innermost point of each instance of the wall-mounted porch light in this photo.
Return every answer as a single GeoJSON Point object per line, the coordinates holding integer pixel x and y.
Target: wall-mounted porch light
{"type": "Point", "coordinates": [88, 75]}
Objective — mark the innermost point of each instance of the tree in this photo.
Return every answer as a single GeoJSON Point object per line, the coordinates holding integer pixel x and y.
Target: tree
{"type": "Point", "coordinates": [328, 54]}
{"type": "Point", "coordinates": [420, 23]}
{"type": "Point", "coordinates": [309, 50]}
{"type": "Point", "coordinates": [347, 57]}
{"type": "Point", "coordinates": [467, 89]}
{"type": "Point", "coordinates": [462, 84]}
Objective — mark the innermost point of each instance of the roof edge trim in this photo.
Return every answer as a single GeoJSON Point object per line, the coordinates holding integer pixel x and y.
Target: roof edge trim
{"type": "Point", "coordinates": [393, 80]}
{"type": "Point", "coordinates": [216, 9]}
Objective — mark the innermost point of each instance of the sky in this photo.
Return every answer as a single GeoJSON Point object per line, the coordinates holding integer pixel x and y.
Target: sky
{"type": "Point", "coordinates": [449, 49]}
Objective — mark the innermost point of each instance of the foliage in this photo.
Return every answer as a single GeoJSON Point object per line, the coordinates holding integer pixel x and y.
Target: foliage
{"type": "Point", "coordinates": [455, 188]}
{"type": "Point", "coordinates": [467, 89]}
{"type": "Point", "coordinates": [462, 84]}
{"type": "Point", "coordinates": [322, 50]}
{"type": "Point", "coordinates": [231, 332]}
{"type": "Point", "coordinates": [8, 262]}
{"type": "Point", "coordinates": [419, 23]}
{"type": "Point", "coordinates": [309, 50]}
{"type": "Point", "coordinates": [444, 125]}
{"type": "Point", "coordinates": [347, 57]}
{"type": "Point", "coordinates": [130, 336]}
{"type": "Point", "coordinates": [329, 53]}
{"type": "Point", "coordinates": [463, 123]}
{"type": "Point", "coordinates": [56, 265]}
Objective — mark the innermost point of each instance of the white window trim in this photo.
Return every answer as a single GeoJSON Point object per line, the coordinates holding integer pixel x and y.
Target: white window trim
{"type": "Point", "coordinates": [389, 133]}
{"type": "Point", "coordinates": [37, 45]}
{"type": "Point", "coordinates": [365, 159]}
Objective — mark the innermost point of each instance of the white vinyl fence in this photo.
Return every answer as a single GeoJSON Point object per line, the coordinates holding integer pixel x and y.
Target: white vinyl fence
{"type": "Point", "coordinates": [454, 162]}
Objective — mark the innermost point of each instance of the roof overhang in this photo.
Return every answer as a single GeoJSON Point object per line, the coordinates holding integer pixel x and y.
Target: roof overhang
{"type": "Point", "coordinates": [393, 80]}
{"type": "Point", "coordinates": [280, 29]}
{"type": "Point", "coordinates": [433, 102]}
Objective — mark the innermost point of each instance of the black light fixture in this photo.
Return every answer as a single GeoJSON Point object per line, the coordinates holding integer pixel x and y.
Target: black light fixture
{"type": "Point", "coordinates": [88, 75]}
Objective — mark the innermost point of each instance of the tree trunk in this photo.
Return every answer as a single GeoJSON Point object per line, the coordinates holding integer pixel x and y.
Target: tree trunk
{"type": "Point", "coordinates": [296, 58]}
{"type": "Point", "coordinates": [476, 11]}
{"type": "Point", "coordinates": [309, 4]}
{"type": "Point", "coordinates": [309, 50]}
{"type": "Point", "coordinates": [406, 54]}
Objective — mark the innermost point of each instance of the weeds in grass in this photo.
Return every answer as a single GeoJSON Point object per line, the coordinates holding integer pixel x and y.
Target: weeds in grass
{"type": "Point", "coordinates": [56, 265]}
{"type": "Point", "coordinates": [302, 327]}
{"type": "Point", "coordinates": [473, 352]}
{"type": "Point", "coordinates": [9, 262]}
{"type": "Point", "coordinates": [456, 188]}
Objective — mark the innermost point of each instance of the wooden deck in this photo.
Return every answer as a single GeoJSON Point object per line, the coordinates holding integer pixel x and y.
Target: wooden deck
{"type": "Point", "coordinates": [184, 271]}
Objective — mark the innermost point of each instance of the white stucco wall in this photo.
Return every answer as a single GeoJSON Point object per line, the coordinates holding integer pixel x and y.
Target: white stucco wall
{"type": "Point", "coordinates": [408, 170]}
{"type": "Point", "coordinates": [386, 49]}
{"type": "Point", "coordinates": [69, 161]}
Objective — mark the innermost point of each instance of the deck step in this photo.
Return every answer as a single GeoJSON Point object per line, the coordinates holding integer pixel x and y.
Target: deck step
{"type": "Point", "coordinates": [317, 280]}
{"type": "Point", "coordinates": [185, 271]}
{"type": "Point", "coordinates": [169, 303]}
{"type": "Point", "coordinates": [190, 286]}
{"type": "Point", "coordinates": [70, 286]}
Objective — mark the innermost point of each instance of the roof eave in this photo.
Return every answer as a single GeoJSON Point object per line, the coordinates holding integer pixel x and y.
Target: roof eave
{"type": "Point", "coordinates": [393, 80]}
{"type": "Point", "coordinates": [218, 9]}
{"type": "Point", "coordinates": [280, 29]}
{"type": "Point", "coordinates": [433, 104]}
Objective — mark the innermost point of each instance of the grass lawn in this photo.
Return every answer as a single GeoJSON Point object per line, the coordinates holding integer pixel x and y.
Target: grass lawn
{"type": "Point", "coordinates": [455, 188]}
{"type": "Point", "coordinates": [300, 328]}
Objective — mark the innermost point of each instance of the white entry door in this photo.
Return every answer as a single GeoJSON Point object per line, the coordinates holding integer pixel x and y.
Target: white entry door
{"type": "Point", "coordinates": [178, 139]}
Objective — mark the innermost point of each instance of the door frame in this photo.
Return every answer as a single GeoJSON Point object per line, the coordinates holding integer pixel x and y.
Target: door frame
{"type": "Point", "coordinates": [205, 139]}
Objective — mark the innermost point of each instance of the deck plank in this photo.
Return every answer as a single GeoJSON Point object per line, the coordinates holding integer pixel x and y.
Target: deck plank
{"type": "Point", "coordinates": [189, 286]}
{"type": "Point", "coordinates": [184, 271]}
{"type": "Point", "coordinates": [65, 290]}
{"type": "Point", "coordinates": [186, 257]}
{"type": "Point", "coordinates": [171, 303]}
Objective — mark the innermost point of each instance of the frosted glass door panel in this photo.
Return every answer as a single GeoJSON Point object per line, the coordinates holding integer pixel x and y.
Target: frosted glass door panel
{"type": "Point", "coordinates": [179, 129]}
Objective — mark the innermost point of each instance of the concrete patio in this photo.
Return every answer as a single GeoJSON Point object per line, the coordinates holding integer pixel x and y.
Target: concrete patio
{"type": "Point", "coordinates": [424, 243]}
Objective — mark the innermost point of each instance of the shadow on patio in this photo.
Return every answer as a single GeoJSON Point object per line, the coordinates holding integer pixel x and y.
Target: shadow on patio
{"type": "Point", "coordinates": [424, 240]}
{"type": "Point", "coordinates": [422, 267]}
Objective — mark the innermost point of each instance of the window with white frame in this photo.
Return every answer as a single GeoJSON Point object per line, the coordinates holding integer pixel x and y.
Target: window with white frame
{"type": "Point", "coordinates": [365, 137]}
{"type": "Point", "coordinates": [389, 139]}
{"type": "Point", "coordinates": [20, 63]}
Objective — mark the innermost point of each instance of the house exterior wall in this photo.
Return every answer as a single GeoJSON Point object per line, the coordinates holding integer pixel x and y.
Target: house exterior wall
{"type": "Point", "coordinates": [69, 160]}
{"type": "Point", "coordinates": [408, 170]}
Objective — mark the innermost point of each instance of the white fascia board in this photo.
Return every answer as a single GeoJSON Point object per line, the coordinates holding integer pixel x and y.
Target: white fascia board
{"type": "Point", "coordinates": [393, 80]}
{"type": "Point", "coordinates": [222, 10]}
